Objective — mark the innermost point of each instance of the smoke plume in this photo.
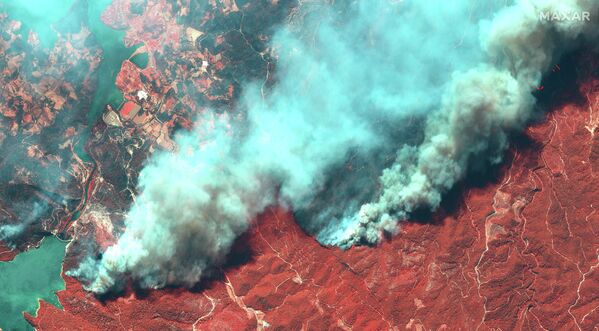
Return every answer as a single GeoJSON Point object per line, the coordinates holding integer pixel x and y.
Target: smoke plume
{"type": "Point", "coordinates": [413, 91]}
{"type": "Point", "coordinates": [479, 109]}
{"type": "Point", "coordinates": [28, 213]}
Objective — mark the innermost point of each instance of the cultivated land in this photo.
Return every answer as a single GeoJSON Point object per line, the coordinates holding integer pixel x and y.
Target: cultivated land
{"type": "Point", "coordinates": [515, 249]}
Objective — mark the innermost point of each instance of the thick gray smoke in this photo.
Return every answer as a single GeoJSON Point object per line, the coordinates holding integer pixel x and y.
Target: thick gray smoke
{"type": "Point", "coordinates": [479, 109]}
{"type": "Point", "coordinates": [353, 83]}
{"type": "Point", "coordinates": [195, 202]}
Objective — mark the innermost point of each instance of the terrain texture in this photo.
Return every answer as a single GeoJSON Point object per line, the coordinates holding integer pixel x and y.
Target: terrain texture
{"type": "Point", "coordinates": [518, 250]}
{"type": "Point", "coordinates": [514, 248]}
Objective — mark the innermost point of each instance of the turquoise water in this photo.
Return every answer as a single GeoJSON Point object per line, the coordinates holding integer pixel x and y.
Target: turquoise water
{"type": "Point", "coordinates": [36, 273]}
{"type": "Point", "coordinates": [141, 60]}
{"type": "Point", "coordinates": [114, 53]}
{"type": "Point", "coordinates": [38, 15]}
{"type": "Point", "coordinates": [31, 275]}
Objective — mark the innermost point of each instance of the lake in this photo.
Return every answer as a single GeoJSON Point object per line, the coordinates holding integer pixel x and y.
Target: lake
{"type": "Point", "coordinates": [32, 275]}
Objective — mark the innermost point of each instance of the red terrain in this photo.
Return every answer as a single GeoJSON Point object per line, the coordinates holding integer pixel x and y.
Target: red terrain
{"type": "Point", "coordinates": [516, 252]}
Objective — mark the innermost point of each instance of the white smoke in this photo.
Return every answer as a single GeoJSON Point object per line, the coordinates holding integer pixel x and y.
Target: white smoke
{"type": "Point", "coordinates": [195, 202]}
{"type": "Point", "coordinates": [27, 215]}
{"type": "Point", "coordinates": [350, 81]}
{"type": "Point", "coordinates": [479, 109]}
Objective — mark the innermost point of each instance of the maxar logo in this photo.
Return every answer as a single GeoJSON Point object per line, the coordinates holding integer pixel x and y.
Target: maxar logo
{"type": "Point", "coordinates": [565, 16]}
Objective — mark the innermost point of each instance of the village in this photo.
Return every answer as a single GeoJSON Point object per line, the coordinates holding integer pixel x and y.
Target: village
{"type": "Point", "coordinates": [172, 83]}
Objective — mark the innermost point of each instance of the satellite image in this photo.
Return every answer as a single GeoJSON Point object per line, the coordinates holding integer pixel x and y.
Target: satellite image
{"type": "Point", "coordinates": [299, 165]}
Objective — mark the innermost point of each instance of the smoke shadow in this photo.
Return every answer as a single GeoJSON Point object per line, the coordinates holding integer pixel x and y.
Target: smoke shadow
{"type": "Point", "coordinates": [240, 254]}
{"type": "Point", "coordinates": [453, 200]}
{"type": "Point", "coordinates": [560, 87]}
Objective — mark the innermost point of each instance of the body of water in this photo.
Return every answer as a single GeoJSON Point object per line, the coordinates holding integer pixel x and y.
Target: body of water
{"type": "Point", "coordinates": [36, 274]}
{"type": "Point", "coordinates": [32, 275]}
